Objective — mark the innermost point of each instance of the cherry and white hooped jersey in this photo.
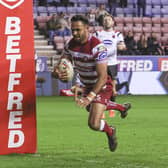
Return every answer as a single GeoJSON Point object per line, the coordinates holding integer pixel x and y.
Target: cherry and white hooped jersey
{"type": "Point", "coordinates": [85, 57]}
{"type": "Point", "coordinates": [110, 40]}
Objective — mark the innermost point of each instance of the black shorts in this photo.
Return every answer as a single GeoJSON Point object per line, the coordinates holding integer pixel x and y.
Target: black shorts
{"type": "Point", "coordinates": [112, 71]}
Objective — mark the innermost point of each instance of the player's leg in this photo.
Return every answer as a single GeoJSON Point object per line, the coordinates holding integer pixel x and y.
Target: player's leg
{"type": "Point", "coordinates": [96, 123]}
{"type": "Point", "coordinates": [122, 108]}
{"type": "Point", "coordinates": [112, 72]}
{"type": "Point", "coordinates": [96, 111]}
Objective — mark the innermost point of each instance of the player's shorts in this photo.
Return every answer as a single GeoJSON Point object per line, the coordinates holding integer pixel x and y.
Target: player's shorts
{"type": "Point", "coordinates": [104, 95]}
{"type": "Point", "coordinates": [112, 71]}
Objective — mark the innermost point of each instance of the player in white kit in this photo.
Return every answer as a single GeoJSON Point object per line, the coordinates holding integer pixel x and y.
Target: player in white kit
{"type": "Point", "coordinates": [113, 40]}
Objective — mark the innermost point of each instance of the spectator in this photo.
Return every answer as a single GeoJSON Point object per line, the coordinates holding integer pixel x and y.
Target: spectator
{"type": "Point", "coordinates": [154, 47]}
{"type": "Point", "coordinates": [62, 28]}
{"type": "Point", "coordinates": [57, 25]}
{"type": "Point", "coordinates": [52, 25]}
{"type": "Point", "coordinates": [142, 45]}
{"type": "Point", "coordinates": [42, 3]}
{"type": "Point", "coordinates": [100, 12]}
{"type": "Point", "coordinates": [141, 7]}
{"type": "Point", "coordinates": [61, 3]}
{"type": "Point", "coordinates": [91, 15]}
{"type": "Point", "coordinates": [166, 50]}
{"type": "Point", "coordinates": [112, 7]}
{"type": "Point", "coordinates": [130, 44]}
{"type": "Point", "coordinates": [53, 3]}
{"type": "Point", "coordinates": [123, 3]}
{"type": "Point", "coordinates": [66, 3]}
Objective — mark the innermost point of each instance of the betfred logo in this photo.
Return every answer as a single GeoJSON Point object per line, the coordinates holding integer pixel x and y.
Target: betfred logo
{"type": "Point", "coordinates": [163, 64]}
{"type": "Point", "coordinates": [11, 4]}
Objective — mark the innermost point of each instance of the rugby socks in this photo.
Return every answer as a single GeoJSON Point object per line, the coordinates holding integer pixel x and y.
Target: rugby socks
{"type": "Point", "coordinates": [114, 106]}
{"type": "Point", "coordinates": [104, 127]}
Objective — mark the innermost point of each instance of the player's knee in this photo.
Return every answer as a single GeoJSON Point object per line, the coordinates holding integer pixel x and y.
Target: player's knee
{"type": "Point", "coordinates": [94, 125]}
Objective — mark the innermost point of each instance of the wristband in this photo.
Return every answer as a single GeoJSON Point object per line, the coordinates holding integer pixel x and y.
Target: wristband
{"type": "Point", "coordinates": [92, 93]}
{"type": "Point", "coordinates": [91, 96]}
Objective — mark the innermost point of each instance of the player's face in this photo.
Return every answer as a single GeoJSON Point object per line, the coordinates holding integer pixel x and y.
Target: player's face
{"type": "Point", "coordinates": [108, 22]}
{"type": "Point", "coordinates": [80, 31]}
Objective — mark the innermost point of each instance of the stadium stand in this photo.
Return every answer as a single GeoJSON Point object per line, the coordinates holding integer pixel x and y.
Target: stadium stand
{"type": "Point", "coordinates": [155, 21]}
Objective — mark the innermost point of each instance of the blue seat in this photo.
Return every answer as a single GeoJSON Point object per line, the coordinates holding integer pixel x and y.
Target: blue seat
{"type": "Point", "coordinates": [102, 2]}
{"type": "Point", "coordinates": [164, 2]}
{"type": "Point", "coordinates": [148, 2]}
{"type": "Point", "coordinates": [92, 2]}
{"type": "Point", "coordinates": [148, 11]}
{"type": "Point", "coordinates": [119, 11]}
{"type": "Point", "coordinates": [129, 12]}
{"type": "Point", "coordinates": [156, 2]}
{"type": "Point", "coordinates": [42, 11]}
{"type": "Point", "coordinates": [71, 10]}
{"type": "Point", "coordinates": [81, 10]}
{"type": "Point", "coordinates": [164, 12]}
{"type": "Point", "coordinates": [51, 10]}
{"type": "Point", "coordinates": [156, 12]}
{"type": "Point", "coordinates": [82, 2]}
{"type": "Point", "coordinates": [61, 9]}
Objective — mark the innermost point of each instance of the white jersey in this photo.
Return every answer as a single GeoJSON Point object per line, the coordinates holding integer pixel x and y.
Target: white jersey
{"type": "Point", "coordinates": [110, 40]}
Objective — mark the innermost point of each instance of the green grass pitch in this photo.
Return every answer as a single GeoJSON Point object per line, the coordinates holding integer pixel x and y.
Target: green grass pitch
{"type": "Point", "coordinates": [65, 141]}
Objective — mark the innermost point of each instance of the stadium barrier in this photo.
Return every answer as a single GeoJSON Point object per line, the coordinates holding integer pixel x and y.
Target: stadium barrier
{"type": "Point", "coordinates": [147, 75]}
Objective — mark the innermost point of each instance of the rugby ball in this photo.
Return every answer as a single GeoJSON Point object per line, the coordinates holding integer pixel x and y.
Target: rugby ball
{"type": "Point", "coordinates": [66, 66]}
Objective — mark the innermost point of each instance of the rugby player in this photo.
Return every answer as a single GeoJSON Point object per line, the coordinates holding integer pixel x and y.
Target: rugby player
{"type": "Point", "coordinates": [89, 57]}
{"type": "Point", "coordinates": [113, 40]}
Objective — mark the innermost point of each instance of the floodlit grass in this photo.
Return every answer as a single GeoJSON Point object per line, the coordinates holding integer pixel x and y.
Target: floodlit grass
{"type": "Point", "coordinates": [65, 141]}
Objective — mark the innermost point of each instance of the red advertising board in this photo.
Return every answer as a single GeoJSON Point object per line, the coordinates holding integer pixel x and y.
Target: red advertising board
{"type": "Point", "coordinates": [17, 78]}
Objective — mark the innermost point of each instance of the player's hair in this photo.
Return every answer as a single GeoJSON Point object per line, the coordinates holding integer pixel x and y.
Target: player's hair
{"type": "Point", "coordinates": [81, 18]}
{"type": "Point", "coordinates": [107, 14]}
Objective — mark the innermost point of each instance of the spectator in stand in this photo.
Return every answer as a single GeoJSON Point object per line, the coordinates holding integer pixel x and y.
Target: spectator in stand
{"type": "Point", "coordinates": [123, 3]}
{"type": "Point", "coordinates": [154, 47]}
{"type": "Point", "coordinates": [52, 3]}
{"type": "Point", "coordinates": [112, 7]}
{"type": "Point", "coordinates": [141, 7]}
{"type": "Point", "coordinates": [61, 3]}
{"type": "Point", "coordinates": [52, 25]}
{"type": "Point", "coordinates": [42, 3]}
{"type": "Point", "coordinates": [57, 25]}
{"type": "Point", "coordinates": [62, 27]}
{"type": "Point", "coordinates": [130, 44]}
{"type": "Point", "coordinates": [66, 3]}
{"type": "Point", "coordinates": [165, 50]}
{"type": "Point", "coordinates": [142, 45]}
{"type": "Point", "coordinates": [100, 12]}
{"type": "Point", "coordinates": [91, 16]}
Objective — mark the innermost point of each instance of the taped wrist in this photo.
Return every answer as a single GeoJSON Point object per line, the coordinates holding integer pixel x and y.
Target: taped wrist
{"type": "Point", "coordinates": [91, 96]}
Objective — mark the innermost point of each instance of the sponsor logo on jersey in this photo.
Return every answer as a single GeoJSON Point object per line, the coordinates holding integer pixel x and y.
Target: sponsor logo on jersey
{"type": "Point", "coordinates": [102, 56]}
{"type": "Point", "coordinates": [101, 48]}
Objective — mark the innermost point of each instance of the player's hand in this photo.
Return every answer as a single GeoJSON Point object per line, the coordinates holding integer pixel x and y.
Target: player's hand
{"type": "Point", "coordinates": [77, 90]}
{"type": "Point", "coordinates": [85, 101]}
{"type": "Point", "coordinates": [115, 92]}
{"type": "Point", "coordinates": [82, 102]}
